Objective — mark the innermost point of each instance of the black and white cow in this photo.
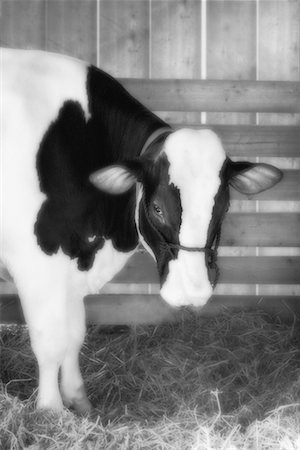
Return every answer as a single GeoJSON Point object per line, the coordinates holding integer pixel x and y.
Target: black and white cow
{"type": "Point", "coordinates": [88, 173]}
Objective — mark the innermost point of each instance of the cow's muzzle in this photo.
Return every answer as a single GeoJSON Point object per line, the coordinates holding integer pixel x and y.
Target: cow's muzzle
{"type": "Point", "coordinates": [211, 255]}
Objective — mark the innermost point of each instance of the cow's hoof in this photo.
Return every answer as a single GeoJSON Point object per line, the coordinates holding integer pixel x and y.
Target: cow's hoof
{"type": "Point", "coordinates": [83, 407]}
{"type": "Point", "coordinates": [79, 402]}
{"type": "Point", "coordinates": [55, 405]}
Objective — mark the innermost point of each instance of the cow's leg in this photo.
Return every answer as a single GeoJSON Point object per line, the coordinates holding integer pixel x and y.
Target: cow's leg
{"type": "Point", "coordinates": [41, 284]}
{"type": "Point", "coordinates": [49, 346]}
{"type": "Point", "coordinates": [72, 387]}
{"type": "Point", "coordinates": [45, 315]}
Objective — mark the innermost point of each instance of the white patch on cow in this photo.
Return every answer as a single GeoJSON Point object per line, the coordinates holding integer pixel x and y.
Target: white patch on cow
{"type": "Point", "coordinates": [139, 195]}
{"type": "Point", "coordinates": [34, 86]}
{"type": "Point", "coordinates": [196, 158]}
{"type": "Point", "coordinates": [91, 238]}
{"type": "Point", "coordinates": [48, 296]}
{"type": "Point", "coordinates": [108, 262]}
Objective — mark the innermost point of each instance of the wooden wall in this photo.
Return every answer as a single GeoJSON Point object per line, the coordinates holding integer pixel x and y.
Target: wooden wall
{"type": "Point", "coordinates": [245, 39]}
{"type": "Point", "coordinates": [217, 39]}
{"type": "Point", "coordinates": [214, 39]}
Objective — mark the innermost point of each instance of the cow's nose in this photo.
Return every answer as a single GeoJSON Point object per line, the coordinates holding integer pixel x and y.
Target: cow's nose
{"type": "Point", "coordinates": [179, 298]}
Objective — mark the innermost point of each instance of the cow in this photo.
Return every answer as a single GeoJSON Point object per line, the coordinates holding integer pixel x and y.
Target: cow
{"type": "Point", "coordinates": [88, 173]}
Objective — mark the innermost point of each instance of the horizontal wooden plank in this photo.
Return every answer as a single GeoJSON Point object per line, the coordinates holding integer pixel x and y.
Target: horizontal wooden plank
{"type": "Point", "coordinates": [239, 229]}
{"type": "Point", "coordinates": [287, 189]}
{"type": "Point", "coordinates": [142, 288]}
{"type": "Point", "coordinates": [150, 309]}
{"type": "Point", "coordinates": [255, 140]}
{"type": "Point", "coordinates": [216, 95]}
{"type": "Point", "coordinates": [260, 270]}
{"type": "Point", "coordinates": [221, 289]}
{"type": "Point", "coordinates": [261, 230]}
{"type": "Point", "coordinates": [247, 269]}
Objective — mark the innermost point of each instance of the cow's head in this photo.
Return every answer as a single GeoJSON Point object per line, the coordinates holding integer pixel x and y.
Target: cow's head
{"type": "Point", "coordinates": [182, 197]}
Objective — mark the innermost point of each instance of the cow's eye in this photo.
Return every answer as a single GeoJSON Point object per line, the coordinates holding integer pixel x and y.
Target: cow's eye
{"type": "Point", "coordinates": [157, 210]}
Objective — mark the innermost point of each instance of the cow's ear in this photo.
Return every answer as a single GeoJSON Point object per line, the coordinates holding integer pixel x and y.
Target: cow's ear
{"type": "Point", "coordinates": [252, 178]}
{"type": "Point", "coordinates": [116, 179]}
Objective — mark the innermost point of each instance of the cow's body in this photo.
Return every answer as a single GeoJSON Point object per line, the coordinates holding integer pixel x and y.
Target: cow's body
{"type": "Point", "coordinates": [69, 225]}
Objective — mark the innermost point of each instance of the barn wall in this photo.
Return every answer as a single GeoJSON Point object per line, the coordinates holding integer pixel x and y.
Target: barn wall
{"type": "Point", "coordinates": [214, 39]}
{"type": "Point", "coordinates": [245, 39]}
{"type": "Point", "coordinates": [217, 39]}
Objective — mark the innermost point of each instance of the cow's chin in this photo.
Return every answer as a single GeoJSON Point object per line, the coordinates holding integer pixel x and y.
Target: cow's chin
{"type": "Point", "coordinates": [179, 289]}
{"type": "Point", "coordinates": [175, 299]}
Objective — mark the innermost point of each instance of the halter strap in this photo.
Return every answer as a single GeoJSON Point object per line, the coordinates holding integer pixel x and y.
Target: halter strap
{"type": "Point", "coordinates": [212, 253]}
{"type": "Point", "coordinates": [155, 135]}
{"type": "Point", "coordinates": [191, 249]}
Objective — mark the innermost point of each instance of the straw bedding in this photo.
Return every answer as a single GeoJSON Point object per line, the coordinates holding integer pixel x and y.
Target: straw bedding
{"type": "Point", "coordinates": [228, 382]}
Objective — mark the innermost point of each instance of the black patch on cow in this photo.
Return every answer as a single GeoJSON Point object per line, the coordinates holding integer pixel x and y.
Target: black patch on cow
{"type": "Point", "coordinates": [221, 206]}
{"type": "Point", "coordinates": [158, 235]}
{"type": "Point", "coordinates": [155, 233]}
{"type": "Point", "coordinates": [75, 215]}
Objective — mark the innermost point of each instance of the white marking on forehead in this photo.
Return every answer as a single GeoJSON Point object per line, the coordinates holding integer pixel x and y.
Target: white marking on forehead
{"type": "Point", "coordinates": [196, 158]}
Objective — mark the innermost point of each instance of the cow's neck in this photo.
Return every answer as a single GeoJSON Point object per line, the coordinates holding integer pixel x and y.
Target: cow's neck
{"type": "Point", "coordinates": [121, 225]}
{"type": "Point", "coordinates": [123, 126]}
{"type": "Point", "coordinates": [126, 123]}
{"type": "Point", "coordinates": [75, 216]}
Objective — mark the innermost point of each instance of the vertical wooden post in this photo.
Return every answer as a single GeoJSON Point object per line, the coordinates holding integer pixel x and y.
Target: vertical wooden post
{"type": "Point", "coordinates": [71, 28]}
{"type": "Point", "coordinates": [22, 24]}
{"type": "Point", "coordinates": [176, 45]}
{"type": "Point", "coordinates": [124, 37]}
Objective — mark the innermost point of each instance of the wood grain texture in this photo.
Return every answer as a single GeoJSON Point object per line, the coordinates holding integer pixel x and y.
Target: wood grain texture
{"type": "Point", "coordinates": [124, 37]}
{"type": "Point", "coordinates": [239, 229]}
{"type": "Point", "coordinates": [176, 42]}
{"type": "Point", "coordinates": [262, 141]}
{"type": "Point", "coordinates": [22, 24]}
{"type": "Point", "coordinates": [231, 47]}
{"type": "Point", "coordinates": [263, 229]}
{"type": "Point", "coordinates": [243, 270]}
{"type": "Point", "coordinates": [126, 50]}
{"type": "Point", "coordinates": [217, 95]}
{"type": "Point", "coordinates": [150, 309]}
{"type": "Point", "coordinates": [278, 48]}
{"type": "Point", "coordinates": [140, 273]}
{"type": "Point", "coordinates": [260, 270]}
{"type": "Point", "coordinates": [176, 39]}
{"type": "Point", "coordinates": [251, 141]}
{"type": "Point", "coordinates": [278, 55]}
{"type": "Point", "coordinates": [70, 28]}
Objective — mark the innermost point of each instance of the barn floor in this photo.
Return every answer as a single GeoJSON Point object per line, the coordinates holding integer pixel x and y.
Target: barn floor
{"type": "Point", "coordinates": [229, 382]}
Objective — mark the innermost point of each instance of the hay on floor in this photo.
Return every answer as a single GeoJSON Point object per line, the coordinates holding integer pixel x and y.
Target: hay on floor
{"type": "Point", "coordinates": [232, 380]}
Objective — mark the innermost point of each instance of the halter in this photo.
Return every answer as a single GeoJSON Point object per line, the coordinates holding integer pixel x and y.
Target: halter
{"type": "Point", "coordinates": [211, 252]}
{"type": "Point", "coordinates": [211, 255]}
{"type": "Point", "coordinates": [154, 136]}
